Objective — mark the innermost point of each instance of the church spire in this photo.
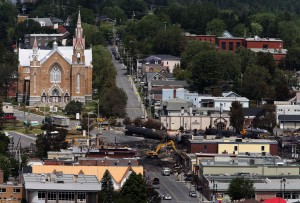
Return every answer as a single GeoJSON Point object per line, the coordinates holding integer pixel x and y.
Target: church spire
{"type": "Point", "coordinates": [78, 40]}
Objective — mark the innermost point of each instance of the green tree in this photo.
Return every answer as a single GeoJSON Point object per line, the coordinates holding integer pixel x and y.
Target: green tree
{"type": "Point", "coordinates": [169, 41]}
{"type": "Point", "coordinates": [4, 141]}
{"type": "Point", "coordinates": [206, 71]}
{"type": "Point", "coordinates": [74, 107]}
{"type": "Point", "coordinates": [133, 8]}
{"type": "Point", "coordinates": [289, 32]}
{"type": "Point", "coordinates": [50, 142]}
{"type": "Point", "coordinates": [240, 30]}
{"type": "Point", "coordinates": [134, 188]}
{"type": "Point", "coordinates": [8, 13]}
{"type": "Point", "coordinates": [236, 116]}
{"type": "Point", "coordinates": [115, 12]}
{"type": "Point", "coordinates": [104, 73]}
{"type": "Point", "coordinates": [266, 119]}
{"type": "Point", "coordinates": [256, 28]}
{"type": "Point", "coordinates": [113, 102]}
{"type": "Point", "coordinates": [240, 188]}
{"type": "Point", "coordinates": [5, 166]}
{"type": "Point", "coordinates": [152, 124]}
{"type": "Point", "coordinates": [266, 60]}
{"type": "Point", "coordinates": [261, 87]}
{"type": "Point", "coordinates": [216, 27]}
{"type": "Point", "coordinates": [107, 188]}
{"type": "Point", "coordinates": [292, 59]}
{"type": "Point", "coordinates": [92, 35]}
{"type": "Point", "coordinates": [193, 48]}
{"type": "Point", "coordinates": [1, 114]}
{"type": "Point", "coordinates": [248, 58]}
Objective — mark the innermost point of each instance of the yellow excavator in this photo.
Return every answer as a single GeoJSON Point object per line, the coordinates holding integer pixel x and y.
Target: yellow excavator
{"type": "Point", "coordinates": [155, 153]}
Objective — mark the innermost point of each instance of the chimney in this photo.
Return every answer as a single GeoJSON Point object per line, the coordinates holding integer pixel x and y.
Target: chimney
{"type": "Point", "coordinates": [1, 177]}
{"type": "Point", "coordinates": [75, 178]}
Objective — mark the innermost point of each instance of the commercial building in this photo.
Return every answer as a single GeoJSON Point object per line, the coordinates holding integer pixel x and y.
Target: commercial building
{"type": "Point", "coordinates": [57, 187]}
{"type": "Point", "coordinates": [118, 173]}
{"type": "Point", "coordinates": [233, 146]}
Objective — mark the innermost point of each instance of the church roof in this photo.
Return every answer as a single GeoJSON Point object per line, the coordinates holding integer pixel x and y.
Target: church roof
{"type": "Point", "coordinates": [25, 55]}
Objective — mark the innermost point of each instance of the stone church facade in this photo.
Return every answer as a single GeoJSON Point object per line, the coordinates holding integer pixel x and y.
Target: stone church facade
{"type": "Point", "coordinates": [56, 76]}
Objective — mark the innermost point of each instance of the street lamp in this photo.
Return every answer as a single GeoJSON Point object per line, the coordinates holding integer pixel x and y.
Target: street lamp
{"type": "Point", "coordinates": [89, 125]}
{"type": "Point", "coordinates": [283, 180]}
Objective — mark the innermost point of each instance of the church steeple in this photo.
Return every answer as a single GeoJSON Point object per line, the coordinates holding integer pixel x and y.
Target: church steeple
{"type": "Point", "coordinates": [78, 39]}
{"type": "Point", "coordinates": [78, 43]}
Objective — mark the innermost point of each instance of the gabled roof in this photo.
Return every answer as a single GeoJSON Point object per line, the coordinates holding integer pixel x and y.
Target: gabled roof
{"type": "Point", "coordinates": [159, 57]}
{"type": "Point", "coordinates": [46, 21]}
{"type": "Point", "coordinates": [117, 172]}
{"type": "Point", "coordinates": [149, 76]}
{"type": "Point", "coordinates": [56, 20]}
{"type": "Point", "coordinates": [167, 57]}
{"type": "Point", "coordinates": [230, 94]}
{"type": "Point", "coordinates": [177, 104]}
{"type": "Point", "coordinates": [178, 83]}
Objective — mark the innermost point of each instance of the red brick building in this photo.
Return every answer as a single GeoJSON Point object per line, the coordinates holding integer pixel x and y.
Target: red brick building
{"type": "Point", "coordinates": [203, 38]}
{"type": "Point", "coordinates": [256, 44]}
{"type": "Point", "coordinates": [230, 44]}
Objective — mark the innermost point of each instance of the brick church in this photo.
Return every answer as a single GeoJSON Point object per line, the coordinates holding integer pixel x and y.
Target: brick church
{"type": "Point", "coordinates": [56, 76]}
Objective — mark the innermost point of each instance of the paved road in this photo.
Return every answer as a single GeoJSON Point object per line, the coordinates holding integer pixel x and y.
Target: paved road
{"type": "Point", "coordinates": [179, 191]}
{"type": "Point", "coordinates": [133, 105]}
{"type": "Point", "coordinates": [34, 117]}
{"type": "Point", "coordinates": [25, 140]}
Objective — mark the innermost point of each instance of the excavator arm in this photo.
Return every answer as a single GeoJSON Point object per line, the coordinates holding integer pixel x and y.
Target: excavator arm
{"type": "Point", "coordinates": [159, 147]}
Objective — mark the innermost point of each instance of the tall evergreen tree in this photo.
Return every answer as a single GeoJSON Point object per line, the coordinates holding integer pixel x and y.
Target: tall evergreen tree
{"type": "Point", "coordinates": [134, 189]}
{"type": "Point", "coordinates": [107, 188]}
{"type": "Point", "coordinates": [236, 116]}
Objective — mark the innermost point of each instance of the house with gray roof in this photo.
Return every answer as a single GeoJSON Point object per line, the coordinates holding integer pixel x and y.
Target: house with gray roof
{"type": "Point", "coordinates": [163, 60]}
{"type": "Point", "coordinates": [44, 22]}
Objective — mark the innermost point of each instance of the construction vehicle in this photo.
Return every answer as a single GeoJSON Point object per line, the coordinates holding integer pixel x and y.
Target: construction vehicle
{"type": "Point", "coordinates": [159, 147]}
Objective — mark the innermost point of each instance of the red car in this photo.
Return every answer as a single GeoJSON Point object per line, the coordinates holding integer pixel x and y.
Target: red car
{"type": "Point", "coordinates": [9, 117]}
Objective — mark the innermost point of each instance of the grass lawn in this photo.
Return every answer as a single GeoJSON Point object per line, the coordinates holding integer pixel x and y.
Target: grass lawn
{"type": "Point", "coordinates": [19, 127]}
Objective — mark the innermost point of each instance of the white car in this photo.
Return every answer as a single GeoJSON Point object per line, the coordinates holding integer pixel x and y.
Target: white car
{"type": "Point", "coordinates": [167, 197]}
{"type": "Point", "coordinates": [193, 194]}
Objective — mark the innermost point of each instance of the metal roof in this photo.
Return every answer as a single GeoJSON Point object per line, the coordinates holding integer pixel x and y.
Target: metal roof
{"type": "Point", "coordinates": [25, 55]}
{"type": "Point", "coordinates": [35, 181]}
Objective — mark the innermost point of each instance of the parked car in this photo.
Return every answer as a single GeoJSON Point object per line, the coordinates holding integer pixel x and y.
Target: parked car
{"type": "Point", "coordinates": [193, 194]}
{"type": "Point", "coordinates": [167, 197]}
{"type": "Point", "coordinates": [9, 117]}
{"type": "Point", "coordinates": [155, 181]}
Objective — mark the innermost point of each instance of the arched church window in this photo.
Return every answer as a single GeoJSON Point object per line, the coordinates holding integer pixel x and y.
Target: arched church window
{"type": "Point", "coordinates": [78, 83]}
{"type": "Point", "coordinates": [34, 83]}
{"type": "Point", "coordinates": [78, 57]}
{"type": "Point", "coordinates": [55, 75]}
